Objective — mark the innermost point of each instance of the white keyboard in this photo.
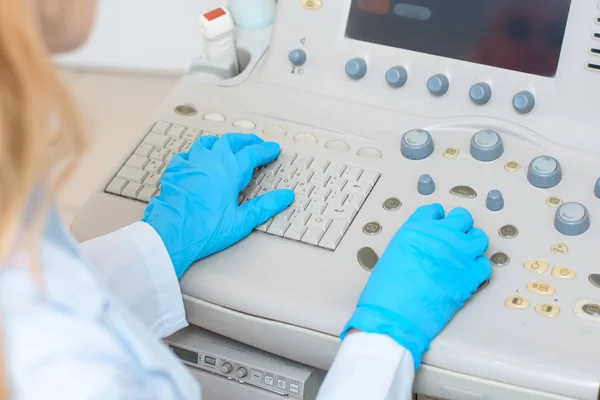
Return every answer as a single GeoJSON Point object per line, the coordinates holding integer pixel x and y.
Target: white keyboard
{"type": "Point", "coordinates": [328, 195]}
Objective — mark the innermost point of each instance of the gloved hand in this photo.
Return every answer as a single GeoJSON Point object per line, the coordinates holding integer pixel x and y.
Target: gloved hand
{"type": "Point", "coordinates": [197, 213]}
{"type": "Point", "coordinates": [430, 268]}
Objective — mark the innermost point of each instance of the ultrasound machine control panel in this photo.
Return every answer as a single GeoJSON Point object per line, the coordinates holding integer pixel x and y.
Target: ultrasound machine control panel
{"type": "Point", "coordinates": [381, 106]}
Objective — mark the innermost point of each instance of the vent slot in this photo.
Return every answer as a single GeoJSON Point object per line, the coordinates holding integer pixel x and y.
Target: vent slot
{"type": "Point", "coordinates": [597, 35]}
{"type": "Point", "coordinates": [598, 20]}
{"type": "Point", "coordinates": [595, 51]}
{"type": "Point", "coordinates": [594, 67]}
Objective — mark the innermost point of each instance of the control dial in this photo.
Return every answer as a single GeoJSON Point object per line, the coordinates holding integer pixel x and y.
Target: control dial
{"type": "Point", "coordinates": [544, 172]}
{"type": "Point", "coordinates": [438, 85]}
{"type": "Point", "coordinates": [524, 102]}
{"type": "Point", "coordinates": [226, 368]}
{"type": "Point", "coordinates": [297, 57]}
{"type": "Point", "coordinates": [572, 219]}
{"type": "Point", "coordinates": [597, 188]}
{"type": "Point", "coordinates": [425, 185]}
{"type": "Point", "coordinates": [480, 93]}
{"type": "Point", "coordinates": [417, 144]}
{"type": "Point", "coordinates": [494, 200]}
{"type": "Point", "coordinates": [241, 372]}
{"type": "Point", "coordinates": [356, 68]}
{"type": "Point", "coordinates": [396, 76]}
{"type": "Point", "coordinates": [486, 145]}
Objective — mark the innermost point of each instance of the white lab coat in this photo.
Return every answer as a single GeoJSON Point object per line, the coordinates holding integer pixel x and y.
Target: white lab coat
{"type": "Point", "coordinates": [92, 331]}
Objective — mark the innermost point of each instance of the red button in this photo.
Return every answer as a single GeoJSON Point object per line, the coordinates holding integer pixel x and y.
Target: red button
{"type": "Point", "coordinates": [214, 14]}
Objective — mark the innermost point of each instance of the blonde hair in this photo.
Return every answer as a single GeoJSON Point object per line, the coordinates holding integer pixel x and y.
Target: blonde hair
{"type": "Point", "coordinates": [40, 135]}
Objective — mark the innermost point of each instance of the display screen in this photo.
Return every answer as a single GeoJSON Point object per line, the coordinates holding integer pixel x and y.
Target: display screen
{"type": "Point", "coordinates": [519, 35]}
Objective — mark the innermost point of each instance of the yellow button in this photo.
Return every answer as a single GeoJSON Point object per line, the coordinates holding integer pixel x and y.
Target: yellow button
{"type": "Point", "coordinates": [547, 310]}
{"type": "Point", "coordinates": [311, 4]}
{"type": "Point", "coordinates": [512, 166]}
{"type": "Point", "coordinates": [554, 201]}
{"type": "Point", "coordinates": [451, 153]}
{"type": "Point", "coordinates": [515, 301]}
{"type": "Point", "coordinates": [536, 266]}
{"type": "Point", "coordinates": [563, 272]}
{"type": "Point", "coordinates": [560, 249]}
{"type": "Point", "coordinates": [541, 288]}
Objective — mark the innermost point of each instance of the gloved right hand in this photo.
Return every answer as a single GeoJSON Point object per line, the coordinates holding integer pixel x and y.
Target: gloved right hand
{"type": "Point", "coordinates": [430, 268]}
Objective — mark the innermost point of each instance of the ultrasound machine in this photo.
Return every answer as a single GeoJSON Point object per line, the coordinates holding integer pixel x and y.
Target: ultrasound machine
{"type": "Point", "coordinates": [381, 106]}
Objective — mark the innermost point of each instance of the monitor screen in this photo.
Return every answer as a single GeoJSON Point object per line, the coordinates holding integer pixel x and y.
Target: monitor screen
{"type": "Point", "coordinates": [519, 35]}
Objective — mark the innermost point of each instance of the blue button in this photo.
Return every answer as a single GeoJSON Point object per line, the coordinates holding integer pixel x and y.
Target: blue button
{"type": "Point", "coordinates": [425, 186]}
{"type": "Point", "coordinates": [494, 201]}
{"type": "Point", "coordinates": [597, 188]}
{"type": "Point", "coordinates": [524, 102]}
{"type": "Point", "coordinates": [480, 93]}
{"type": "Point", "coordinates": [396, 76]}
{"type": "Point", "coordinates": [544, 172]}
{"type": "Point", "coordinates": [572, 219]}
{"type": "Point", "coordinates": [356, 68]}
{"type": "Point", "coordinates": [486, 145]}
{"type": "Point", "coordinates": [297, 57]}
{"type": "Point", "coordinates": [438, 85]}
{"type": "Point", "coordinates": [417, 144]}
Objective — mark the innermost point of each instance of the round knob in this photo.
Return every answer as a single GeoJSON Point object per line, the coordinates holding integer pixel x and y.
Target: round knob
{"type": "Point", "coordinates": [597, 188]}
{"type": "Point", "coordinates": [480, 93]}
{"type": "Point", "coordinates": [425, 186]}
{"type": "Point", "coordinates": [494, 201]}
{"type": "Point", "coordinates": [396, 76]}
{"type": "Point", "coordinates": [226, 368]}
{"type": "Point", "coordinates": [241, 372]}
{"type": "Point", "coordinates": [297, 57]}
{"type": "Point", "coordinates": [356, 68]}
{"type": "Point", "coordinates": [524, 102]}
{"type": "Point", "coordinates": [486, 145]}
{"type": "Point", "coordinates": [438, 85]}
{"type": "Point", "coordinates": [417, 144]}
{"type": "Point", "coordinates": [544, 172]}
{"type": "Point", "coordinates": [572, 219]}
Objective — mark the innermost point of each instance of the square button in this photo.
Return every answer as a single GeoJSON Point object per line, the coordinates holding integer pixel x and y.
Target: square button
{"type": "Point", "coordinates": [294, 388]}
{"type": "Point", "coordinates": [269, 380]}
{"type": "Point", "coordinates": [281, 384]}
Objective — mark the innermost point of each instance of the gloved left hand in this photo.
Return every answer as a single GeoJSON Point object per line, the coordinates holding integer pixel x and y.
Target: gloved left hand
{"type": "Point", "coordinates": [196, 213]}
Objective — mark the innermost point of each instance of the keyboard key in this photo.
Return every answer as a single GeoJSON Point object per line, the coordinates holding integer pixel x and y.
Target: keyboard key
{"type": "Point", "coordinates": [138, 162]}
{"type": "Point", "coordinates": [279, 226]}
{"type": "Point", "coordinates": [132, 174]}
{"type": "Point", "coordinates": [257, 178]}
{"type": "Point", "coordinates": [334, 234]}
{"type": "Point", "coordinates": [265, 226]}
{"type": "Point", "coordinates": [186, 147]}
{"type": "Point", "coordinates": [263, 190]}
{"type": "Point", "coordinates": [303, 161]}
{"type": "Point", "coordinates": [337, 198]}
{"type": "Point", "coordinates": [191, 135]}
{"type": "Point", "coordinates": [295, 231]}
{"type": "Point", "coordinates": [287, 213]}
{"type": "Point", "coordinates": [271, 168]}
{"type": "Point", "coordinates": [156, 140]}
{"type": "Point", "coordinates": [304, 189]}
{"type": "Point", "coordinates": [161, 127]}
{"type": "Point", "coordinates": [352, 173]}
{"type": "Point", "coordinates": [355, 200]}
{"type": "Point", "coordinates": [270, 181]}
{"type": "Point", "coordinates": [357, 187]}
{"type": "Point", "coordinates": [287, 184]}
{"type": "Point", "coordinates": [251, 190]}
{"type": "Point", "coordinates": [286, 171]}
{"type": "Point", "coordinates": [176, 131]}
{"type": "Point", "coordinates": [319, 165]}
{"type": "Point", "coordinates": [312, 235]}
{"type": "Point", "coordinates": [335, 170]}
{"type": "Point", "coordinates": [300, 217]}
{"type": "Point", "coordinates": [303, 175]}
{"type": "Point", "coordinates": [154, 166]}
{"type": "Point", "coordinates": [152, 180]}
{"type": "Point", "coordinates": [320, 221]}
{"type": "Point", "coordinates": [320, 193]}
{"type": "Point", "coordinates": [319, 179]}
{"type": "Point", "coordinates": [316, 206]}
{"type": "Point", "coordinates": [336, 183]}
{"type": "Point", "coordinates": [175, 145]}
{"type": "Point", "coordinates": [286, 157]}
{"type": "Point", "coordinates": [340, 212]}
{"type": "Point", "coordinates": [116, 186]}
{"type": "Point", "coordinates": [300, 203]}
{"type": "Point", "coordinates": [146, 193]}
{"type": "Point", "coordinates": [369, 177]}
{"type": "Point", "coordinates": [144, 150]}
{"type": "Point", "coordinates": [131, 190]}
{"type": "Point", "coordinates": [159, 154]}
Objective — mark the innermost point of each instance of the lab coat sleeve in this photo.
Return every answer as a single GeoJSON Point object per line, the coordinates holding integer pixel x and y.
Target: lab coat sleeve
{"type": "Point", "coordinates": [369, 366]}
{"type": "Point", "coordinates": [135, 265]}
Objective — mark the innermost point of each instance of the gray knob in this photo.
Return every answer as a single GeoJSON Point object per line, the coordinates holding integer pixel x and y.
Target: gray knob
{"type": "Point", "coordinates": [494, 201]}
{"type": "Point", "coordinates": [524, 102]}
{"type": "Point", "coordinates": [417, 144]}
{"type": "Point", "coordinates": [572, 219]}
{"type": "Point", "coordinates": [297, 57]}
{"type": "Point", "coordinates": [226, 368]}
{"type": "Point", "coordinates": [486, 145]}
{"type": "Point", "coordinates": [480, 93]}
{"type": "Point", "coordinates": [241, 372]}
{"type": "Point", "coordinates": [356, 68]}
{"type": "Point", "coordinates": [396, 76]}
{"type": "Point", "coordinates": [597, 188]}
{"type": "Point", "coordinates": [544, 172]}
{"type": "Point", "coordinates": [438, 85]}
{"type": "Point", "coordinates": [426, 186]}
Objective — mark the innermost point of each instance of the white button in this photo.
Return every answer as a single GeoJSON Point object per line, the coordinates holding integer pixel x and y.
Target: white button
{"type": "Point", "coordinates": [275, 131]}
{"type": "Point", "coordinates": [545, 165]}
{"type": "Point", "coordinates": [214, 117]}
{"type": "Point", "coordinates": [294, 388]}
{"type": "Point", "coordinates": [269, 380]}
{"type": "Point", "coordinates": [337, 145]}
{"type": "Point", "coordinates": [369, 152]}
{"type": "Point", "coordinates": [486, 138]}
{"type": "Point", "coordinates": [416, 137]}
{"type": "Point", "coordinates": [572, 212]}
{"type": "Point", "coordinates": [161, 127]}
{"type": "Point", "coordinates": [244, 124]}
{"type": "Point", "coordinates": [306, 138]}
{"type": "Point", "coordinates": [116, 186]}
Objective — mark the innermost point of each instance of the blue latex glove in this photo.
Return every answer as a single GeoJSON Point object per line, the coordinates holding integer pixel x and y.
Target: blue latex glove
{"type": "Point", "coordinates": [431, 267]}
{"type": "Point", "coordinates": [197, 213]}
